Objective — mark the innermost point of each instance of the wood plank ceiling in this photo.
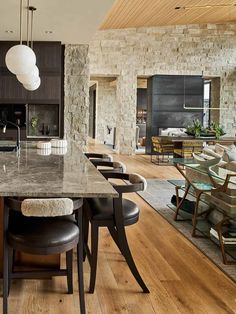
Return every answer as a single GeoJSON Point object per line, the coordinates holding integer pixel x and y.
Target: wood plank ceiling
{"type": "Point", "coordinates": [139, 13]}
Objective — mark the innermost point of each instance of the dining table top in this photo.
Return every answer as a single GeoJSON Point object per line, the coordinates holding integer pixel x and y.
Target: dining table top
{"type": "Point", "coordinates": [55, 173]}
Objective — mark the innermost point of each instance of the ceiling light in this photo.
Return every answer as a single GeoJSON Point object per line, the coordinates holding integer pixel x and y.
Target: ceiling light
{"type": "Point", "coordinates": [48, 32]}
{"type": "Point", "coordinates": [20, 59]}
{"type": "Point", "coordinates": [8, 31]}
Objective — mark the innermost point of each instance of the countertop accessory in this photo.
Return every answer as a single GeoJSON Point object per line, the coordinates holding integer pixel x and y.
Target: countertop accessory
{"type": "Point", "coordinates": [44, 145]}
{"type": "Point", "coordinates": [59, 150]}
{"type": "Point", "coordinates": [58, 143]}
{"type": "Point", "coordinates": [44, 152]}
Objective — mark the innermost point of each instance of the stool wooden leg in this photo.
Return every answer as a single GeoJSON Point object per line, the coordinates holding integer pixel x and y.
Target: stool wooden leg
{"type": "Point", "coordinates": [80, 246]}
{"type": "Point", "coordinates": [5, 261]}
{"type": "Point", "coordinates": [130, 261]}
{"type": "Point", "coordinates": [85, 231]}
{"type": "Point", "coordinates": [10, 267]}
{"type": "Point", "coordinates": [94, 253]}
{"type": "Point", "coordinates": [69, 268]}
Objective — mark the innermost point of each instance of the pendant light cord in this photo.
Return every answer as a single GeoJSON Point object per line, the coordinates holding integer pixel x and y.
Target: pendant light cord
{"type": "Point", "coordinates": [184, 91]}
{"type": "Point", "coordinates": [27, 22]}
{"type": "Point", "coordinates": [32, 9]}
{"type": "Point", "coordinates": [21, 20]}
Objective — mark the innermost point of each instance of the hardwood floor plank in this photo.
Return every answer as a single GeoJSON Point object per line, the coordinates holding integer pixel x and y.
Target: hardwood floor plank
{"type": "Point", "coordinates": [181, 279]}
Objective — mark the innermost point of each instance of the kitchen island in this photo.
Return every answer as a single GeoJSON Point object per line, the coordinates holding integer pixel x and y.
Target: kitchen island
{"type": "Point", "coordinates": [47, 174]}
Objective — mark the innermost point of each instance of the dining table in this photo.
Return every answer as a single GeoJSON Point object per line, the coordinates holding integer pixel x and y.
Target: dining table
{"type": "Point", "coordinates": [48, 173]}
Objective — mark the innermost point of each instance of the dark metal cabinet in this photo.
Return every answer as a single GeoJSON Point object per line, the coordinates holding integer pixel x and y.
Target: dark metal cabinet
{"type": "Point", "coordinates": [167, 95]}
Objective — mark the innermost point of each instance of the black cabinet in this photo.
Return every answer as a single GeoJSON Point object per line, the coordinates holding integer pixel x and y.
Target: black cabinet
{"type": "Point", "coordinates": [167, 95]}
{"type": "Point", "coordinates": [12, 91]}
{"type": "Point", "coordinates": [48, 92]}
{"type": "Point", "coordinates": [48, 56]}
{"type": "Point", "coordinates": [49, 62]}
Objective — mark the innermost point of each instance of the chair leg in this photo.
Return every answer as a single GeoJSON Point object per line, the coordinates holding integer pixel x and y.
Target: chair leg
{"type": "Point", "coordinates": [86, 232]}
{"type": "Point", "coordinates": [113, 234]}
{"type": "Point", "coordinates": [178, 207]}
{"type": "Point", "coordinates": [129, 259]}
{"type": "Point", "coordinates": [5, 278]}
{"type": "Point", "coordinates": [94, 253]}
{"type": "Point", "coordinates": [10, 267]}
{"type": "Point", "coordinates": [80, 247]}
{"type": "Point", "coordinates": [195, 215]}
{"type": "Point", "coordinates": [69, 268]}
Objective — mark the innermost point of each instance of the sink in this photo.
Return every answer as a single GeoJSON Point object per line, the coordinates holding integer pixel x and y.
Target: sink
{"type": "Point", "coordinates": [7, 148]}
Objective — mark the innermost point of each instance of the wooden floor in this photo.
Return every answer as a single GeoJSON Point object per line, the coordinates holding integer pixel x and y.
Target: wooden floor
{"type": "Point", "coordinates": [181, 279]}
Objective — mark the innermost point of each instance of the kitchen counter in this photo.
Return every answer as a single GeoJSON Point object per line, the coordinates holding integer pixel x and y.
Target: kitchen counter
{"type": "Point", "coordinates": [30, 174]}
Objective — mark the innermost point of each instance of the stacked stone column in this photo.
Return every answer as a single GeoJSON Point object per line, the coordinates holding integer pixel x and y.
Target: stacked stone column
{"type": "Point", "coordinates": [76, 106]}
{"type": "Point", "coordinates": [126, 95]}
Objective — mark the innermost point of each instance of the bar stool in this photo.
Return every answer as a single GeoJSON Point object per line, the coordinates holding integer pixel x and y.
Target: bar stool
{"type": "Point", "coordinates": [95, 156]}
{"type": "Point", "coordinates": [109, 166]}
{"type": "Point", "coordinates": [42, 227]}
{"type": "Point", "coordinates": [114, 214]}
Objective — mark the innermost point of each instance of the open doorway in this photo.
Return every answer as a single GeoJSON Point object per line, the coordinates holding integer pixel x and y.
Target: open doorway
{"type": "Point", "coordinates": [141, 115]}
{"type": "Point", "coordinates": [92, 110]}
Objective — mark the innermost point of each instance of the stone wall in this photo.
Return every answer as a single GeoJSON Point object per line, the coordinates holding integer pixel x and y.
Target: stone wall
{"type": "Point", "coordinates": [106, 107]}
{"type": "Point", "coordinates": [183, 49]}
{"type": "Point", "coordinates": [76, 84]}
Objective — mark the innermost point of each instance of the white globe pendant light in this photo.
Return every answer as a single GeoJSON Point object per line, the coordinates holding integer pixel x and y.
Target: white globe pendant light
{"type": "Point", "coordinates": [34, 86]}
{"type": "Point", "coordinates": [20, 59]}
{"type": "Point", "coordinates": [29, 78]}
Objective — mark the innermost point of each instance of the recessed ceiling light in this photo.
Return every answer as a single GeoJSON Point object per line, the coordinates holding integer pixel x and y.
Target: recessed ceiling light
{"type": "Point", "coordinates": [48, 32]}
{"type": "Point", "coordinates": [8, 31]}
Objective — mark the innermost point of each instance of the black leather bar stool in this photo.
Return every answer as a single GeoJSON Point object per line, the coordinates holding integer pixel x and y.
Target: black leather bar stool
{"type": "Point", "coordinates": [109, 166]}
{"type": "Point", "coordinates": [115, 214]}
{"type": "Point", "coordinates": [103, 167]}
{"type": "Point", "coordinates": [42, 227]}
{"type": "Point", "coordinates": [95, 156]}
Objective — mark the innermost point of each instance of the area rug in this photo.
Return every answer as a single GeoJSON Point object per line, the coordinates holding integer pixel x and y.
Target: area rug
{"type": "Point", "coordinates": [158, 195]}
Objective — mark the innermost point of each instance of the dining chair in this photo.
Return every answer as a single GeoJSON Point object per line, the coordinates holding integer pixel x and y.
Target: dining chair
{"type": "Point", "coordinates": [114, 214]}
{"type": "Point", "coordinates": [161, 147]}
{"type": "Point", "coordinates": [42, 227]}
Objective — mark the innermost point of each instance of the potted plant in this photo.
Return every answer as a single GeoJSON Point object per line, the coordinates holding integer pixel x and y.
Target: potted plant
{"type": "Point", "coordinates": [217, 129]}
{"type": "Point", "coordinates": [196, 129]}
{"type": "Point", "coordinates": [34, 125]}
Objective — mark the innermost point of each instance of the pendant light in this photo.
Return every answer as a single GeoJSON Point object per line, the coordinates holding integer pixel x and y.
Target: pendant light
{"type": "Point", "coordinates": [20, 59]}
{"type": "Point", "coordinates": [31, 81]}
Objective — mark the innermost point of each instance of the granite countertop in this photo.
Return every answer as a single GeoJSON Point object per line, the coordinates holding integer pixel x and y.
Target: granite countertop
{"type": "Point", "coordinates": [30, 174]}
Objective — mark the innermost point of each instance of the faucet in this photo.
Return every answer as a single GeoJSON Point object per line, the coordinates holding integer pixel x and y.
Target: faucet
{"type": "Point", "coordinates": [5, 123]}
